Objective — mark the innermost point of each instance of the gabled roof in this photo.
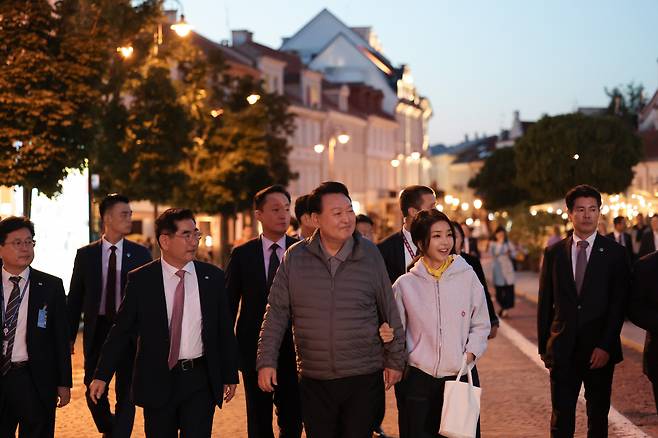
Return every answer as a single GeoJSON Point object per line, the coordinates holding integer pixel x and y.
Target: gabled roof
{"type": "Point", "coordinates": [650, 144]}
{"type": "Point", "coordinates": [652, 104]}
{"type": "Point", "coordinates": [468, 151]}
{"type": "Point", "coordinates": [255, 50]}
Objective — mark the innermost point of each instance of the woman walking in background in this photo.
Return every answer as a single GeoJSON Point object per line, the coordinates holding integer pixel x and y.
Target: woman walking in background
{"type": "Point", "coordinates": [502, 253]}
{"type": "Point", "coordinates": [444, 313]}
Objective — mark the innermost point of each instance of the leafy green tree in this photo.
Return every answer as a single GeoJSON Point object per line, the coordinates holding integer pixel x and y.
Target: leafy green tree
{"type": "Point", "coordinates": [626, 103]}
{"type": "Point", "coordinates": [560, 152]}
{"type": "Point", "coordinates": [496, 184]}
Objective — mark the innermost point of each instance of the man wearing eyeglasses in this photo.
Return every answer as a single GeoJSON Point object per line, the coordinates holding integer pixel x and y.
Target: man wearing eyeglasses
{"type": "Point", "coordinates": [187, 360]}
{"type": "Point", "coordinates": [35, 361]}
{"type": "Point", "coordinates": [97, 284]}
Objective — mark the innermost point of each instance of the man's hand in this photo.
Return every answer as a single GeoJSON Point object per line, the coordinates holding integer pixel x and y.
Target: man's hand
{"type": "Point", "coordinates": [493, 332]}
{"type": "Point", "coordinates": [391, 377]}
{"type": "Point", "coordinates": [72, 347]}
{"type": "Point", "coordinates": [599, 358]}
{"type": "Point", "coordinates": [96, 390]}
{"type": "Point", "coordinates": [386, 333]}
{"type": "Point", "coordinates": [64, 396]}
{"type": "Point", "coordinates": [229, 392]}
{"type": "Point", "coordinates": [267, 379]}
{"type": "Point", "coordinates": [470, 358]}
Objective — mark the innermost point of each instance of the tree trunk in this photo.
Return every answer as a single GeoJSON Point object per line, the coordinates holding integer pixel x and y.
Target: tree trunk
{"type": "Point", "coordinates": [27, 201]}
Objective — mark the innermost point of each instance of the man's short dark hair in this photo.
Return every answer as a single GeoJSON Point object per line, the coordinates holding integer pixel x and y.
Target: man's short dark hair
{"type": "Point", "coordinates": [326, 188]}
{"type": "Point", "coordinates": [618, 220]}
{"type": "Point", "coordinates": [581, 191]}
{"type": "Point", "coordinates": [301, 207]}
{"type": "Point", "coordinates": [261, 196]}
{"type": "Point", "coordinates": [364, 219]}
{"type": "Point", "coordinates": [166, 222]}
{"type": "Point", "coordinates": [412, 197]}
{"type": "Point", "coordinates": [421, 228]}
{"type": "Point", "coordinates": [14, 223]}
{"type": "Point", "coordinates": [110, 201]}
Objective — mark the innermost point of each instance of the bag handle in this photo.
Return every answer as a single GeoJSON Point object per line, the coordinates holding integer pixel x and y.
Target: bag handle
{"type": "Point", "coordinates": [467, 369]}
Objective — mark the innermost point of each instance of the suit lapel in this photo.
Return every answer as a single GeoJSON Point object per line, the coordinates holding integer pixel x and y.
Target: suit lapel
{"type": "Point", "coordinates": [401, 253]}
{"type": "Point", "coordinates": [203, 280]}
{"type": "Point", "coordinates": [260, 264]}
{"type": "Point", "coordinates": [96, 258]}
{"type": "Point", "coordinates": [160, 300]}
{"type": "Point", "coordinates": [126, 263]}
{"type": "Point", "coordinates": [567, 267]}
{"type": "Point", "coordinates": [36, 301]}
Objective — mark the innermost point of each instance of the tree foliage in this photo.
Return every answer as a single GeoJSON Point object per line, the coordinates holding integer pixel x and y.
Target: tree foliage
{"type": "Point", "coordinates": [606, 149]}
{"type": "Point", "coordinates": [496, 184]}
{"type": "Point", "coordinates": [626, 102]}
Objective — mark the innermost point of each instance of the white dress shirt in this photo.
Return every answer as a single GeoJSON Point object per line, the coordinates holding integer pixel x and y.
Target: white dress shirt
{"type": "Point", "coordinates": [105, 256]}
{"type": "Point", "coordinates": [407, 256]}
{"type": "Point", "coordinates": [619, 238]}
{"type": "Point", "coordinates": [191, 343]}
{"type": "Point", "coordinates": [267, 243]}
{"type": "Point", "coordinates": [574, 249]}
{"type": "Point", "coordinates": [19, 352]}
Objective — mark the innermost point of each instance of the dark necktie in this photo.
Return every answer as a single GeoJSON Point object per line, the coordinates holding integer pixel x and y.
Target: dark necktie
{"type": "Point", "coordinates": [581, 263]}
{"type": "Point", "coordinates": [10, 323]}
{"type": "Point", "coordinates": [273, 266]}
{"type": "Point", "coordinates": [176, 324]}
{"type": "Point", "coordinates": [111, 285]}
{"type": "Point", "coordinates": [621, 240]}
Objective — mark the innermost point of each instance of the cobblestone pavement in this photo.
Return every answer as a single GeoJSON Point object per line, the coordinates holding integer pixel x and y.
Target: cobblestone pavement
{"type": "Point", "coordinates": [515, 397]}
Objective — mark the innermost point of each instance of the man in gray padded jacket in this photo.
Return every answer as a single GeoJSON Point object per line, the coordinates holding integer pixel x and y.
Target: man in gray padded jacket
{"type": "Point", "coordinates": [336, 290]}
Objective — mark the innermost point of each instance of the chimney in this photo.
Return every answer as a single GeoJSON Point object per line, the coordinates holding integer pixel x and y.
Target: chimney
{"type": "Point", "coordinates": [517, 116]}
{"type": "Point", "coordinates": [240, 37]}
{"type": "Point", "coordinates": [465, 138]}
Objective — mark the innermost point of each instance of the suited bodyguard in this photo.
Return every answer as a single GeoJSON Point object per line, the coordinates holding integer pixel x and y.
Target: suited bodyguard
{"type": "Point", "coordinates": [582, 297]}
{"type": "Point", "coordinates": [186, 360]}
{"type": "Point", "coordinates": [649, 242]}
{"type": "Point", "coordinates": [35, 364]}
{"type": "Point", "coordinates": [620, 236]}
{"type": "Point", "coordinates": [643, 312]}
{"type": "Point", "coordinates": [97, 284]}
{"type": "Point", "coordinates": [249, 276]}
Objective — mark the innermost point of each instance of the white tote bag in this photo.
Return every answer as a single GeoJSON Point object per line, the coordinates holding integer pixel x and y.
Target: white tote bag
{"type": "Point", "coordinates": [461, 406]}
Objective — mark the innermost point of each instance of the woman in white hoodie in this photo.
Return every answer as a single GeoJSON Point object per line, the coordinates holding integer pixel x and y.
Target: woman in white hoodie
{"type": "Point", "coordinates": [444, 313]}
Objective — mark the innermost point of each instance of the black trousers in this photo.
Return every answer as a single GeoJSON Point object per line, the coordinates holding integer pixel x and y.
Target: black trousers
{"type": "Point", "coordinates": [119, 425]}
{"type": "Point", "coordinates": [190, 407]}
{"type": "Point", "coordinates": [22, 407]}
{"type": "Point", "coordinates": [423, 399]}
{"type": "Point", "coordinates": [505, 296]}
{"type": "Point", "coordinates": [565, 387]}
{"type": "Point", "coordinates": [341, 408]}
{"type": "Point", "coordinates": [286, 400]}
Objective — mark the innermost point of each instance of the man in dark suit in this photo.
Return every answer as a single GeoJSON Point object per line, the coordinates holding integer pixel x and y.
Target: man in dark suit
{"type": "Point", "coordinates": [620, 236]}
{"type": "Point", "coordinates": [249, 275]}
{"type": "Point", "coordinates": [99, 277]}
{"type": "Point", "coordinates": [643, 311]}
{"type": "Point", "coordinates": [186, 360]}
{"type": "Point", "coordinates": [306, 228]}
{"type": "Point", "coordinates": [35, 364]}
{"type": "Point", "coordinates": [399, 250]}
{"type": "Point", "coordinates": [649, 238]}
{"type": "Point", "coordinates": [582, 296]}
{"type": "Point", "coordinates": [470, 242]}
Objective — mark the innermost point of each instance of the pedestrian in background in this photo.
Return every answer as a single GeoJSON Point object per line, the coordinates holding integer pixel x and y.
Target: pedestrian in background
{"type": "Point", "coordinates": [582, 300]}
{"type": "Point", "coordinates": [99, 277]}
{"type": "Point", "coordinates": [444, 313]}
{"type": "Point", "coordinates": [306, 227]}
{"type": "Point", "coordinates": [650, 238]}
{"type": "Point", "coordinates": [35, 361]}
{"type": "Point", "coordinates": [365, 225]}
{"type": "Point", "coordinates": [336, 289]}
{"type": "Point", "coordinates": [502, 252]}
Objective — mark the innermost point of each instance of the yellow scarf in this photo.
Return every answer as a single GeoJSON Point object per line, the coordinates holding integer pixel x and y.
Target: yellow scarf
{"type": "Point", "coordinates": [438, 272]}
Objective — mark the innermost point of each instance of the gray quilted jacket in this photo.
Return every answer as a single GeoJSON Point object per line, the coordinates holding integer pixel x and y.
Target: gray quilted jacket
{"type": "Point", "coordinates": [336, 318]}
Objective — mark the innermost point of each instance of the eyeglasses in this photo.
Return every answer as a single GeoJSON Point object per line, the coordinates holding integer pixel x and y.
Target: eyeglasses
{"type": "Point", "coordinates": [188, 236]}
{"type": "Point", "coordinates": [19, 244]}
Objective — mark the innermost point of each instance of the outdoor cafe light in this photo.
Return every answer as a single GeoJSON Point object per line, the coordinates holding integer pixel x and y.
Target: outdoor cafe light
{"type": "Point", "coordinates": [465, 206]}
{"type": "Point", "coordinates": [125, 51]}
{"type": "Point", "coordinates": [477, 204]}
{"type": "Point", "coordinates": [253, 98]}
{"type": "Point", "coordinates": [318, 148]}
{"type": "Point", "coordinates": [395, 162]}
{"type": "Point", "coordinates": [415, 156]}
{"type": "Point", "coordinates": [343, 138]}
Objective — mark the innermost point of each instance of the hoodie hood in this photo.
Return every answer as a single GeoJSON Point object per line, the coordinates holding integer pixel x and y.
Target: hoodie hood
{"type": "Point", "coordinates": [457, 266]}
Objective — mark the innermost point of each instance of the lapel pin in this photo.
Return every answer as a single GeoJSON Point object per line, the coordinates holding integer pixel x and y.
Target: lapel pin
{"type": "Point", "coordinates": [206, 277]}
{"type": "Point", "coordinates": [128, 254]}
{"type": "Point", "coordinates": [600, 249]}
{"type": "Point", "coordinates": [40, 283]}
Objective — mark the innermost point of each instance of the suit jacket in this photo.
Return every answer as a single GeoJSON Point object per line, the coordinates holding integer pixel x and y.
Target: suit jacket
{"type": "Point", "coordinates": [628, 244]}
{"type": "Point", "coordinates": [48, 348]}
{"type": "Point", "coordinates": [87, 285]}
{"type": "Point", "coordinates": [570, 326]}
{"type": "Point", "coordinates": [473, 247]}
{"type": "Point", "coordinates": [477, 267]}
{"type": "Point", "coordinates": [143, 314]}
{"type": "Point", "coordinates": [647, 245]}
{"type": "Point", "coordinates": [246, 282]}
{"type": "Point", "coordinates": [392, 250]}
{"type": "Point", "coordinates": [643, 309]}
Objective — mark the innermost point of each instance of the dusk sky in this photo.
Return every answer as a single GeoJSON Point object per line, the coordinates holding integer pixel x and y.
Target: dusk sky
{"type": "Point", "coordinates": [478, 61]}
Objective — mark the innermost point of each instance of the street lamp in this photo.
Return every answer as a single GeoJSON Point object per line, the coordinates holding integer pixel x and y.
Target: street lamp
{"type": "Point", "coordinates": [181, 27]}
{"type": "Point", "coordinates": [125, 51]}
{"type": "Point", "coordinates": [395, 162]}
{"type": "Point", "coordinates": [341, 138]}
{"type": "Point", "coordinates": [253, 98]}
{"type": "Point", "coordinates": [318, 148]}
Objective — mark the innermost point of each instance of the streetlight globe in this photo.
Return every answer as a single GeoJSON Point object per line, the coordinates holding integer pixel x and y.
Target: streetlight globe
{"type": "Point", "coordinates": [395, 162]}
{"type": "Point", "coordinates": [253, 98]}
{"type": "Point", "coordinates": [125, 51]}
{"type": "Point", "coordinates": [415, 156]}
{"type": "Point", "coordinates": [318, 148]}
{"type": "Point", "coordinates": [343, 138]}
{"type": "Point", "coordinates": [576, 156]}
{"type": "Point", "coordinates": [182, 28]}
{"type": "Point", "coordinates": [465, 206]}
{"type": "Point", "coordinates": [477, 204]}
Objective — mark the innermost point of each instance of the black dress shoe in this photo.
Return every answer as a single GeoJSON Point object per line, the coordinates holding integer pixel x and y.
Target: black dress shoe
{"type": "Point", "coordinates": [378, 432]}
